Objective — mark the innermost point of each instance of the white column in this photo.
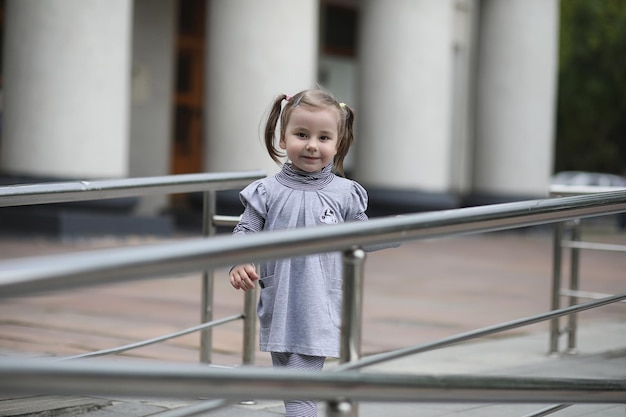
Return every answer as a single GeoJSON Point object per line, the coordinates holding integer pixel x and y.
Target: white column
{"type": "Point", "coordinates": [153, 61]}
{"type": "Point", "coordinates": [255, 51]}
{"type": "Point", "coordinates": [66, 88]}
{"type": "Point", "coordinates": [517, 68]}
{"type": "Point", "coordinates": [405, 88]}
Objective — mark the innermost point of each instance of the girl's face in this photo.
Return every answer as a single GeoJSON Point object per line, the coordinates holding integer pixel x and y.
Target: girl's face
{"type": "Point", "coordinates": [311, 137]}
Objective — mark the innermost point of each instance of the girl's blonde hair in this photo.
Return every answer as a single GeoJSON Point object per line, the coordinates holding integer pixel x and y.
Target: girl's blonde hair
{"type": "Point", "coordinates": [314, 98]}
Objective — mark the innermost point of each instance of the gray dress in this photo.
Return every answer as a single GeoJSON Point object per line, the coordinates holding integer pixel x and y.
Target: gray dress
{"type": "Point", "coordinates": [300, 302]}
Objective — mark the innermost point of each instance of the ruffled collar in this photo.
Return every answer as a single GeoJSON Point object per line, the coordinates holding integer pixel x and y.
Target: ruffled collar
{"type": "Point", "coordinates": [295, 178]}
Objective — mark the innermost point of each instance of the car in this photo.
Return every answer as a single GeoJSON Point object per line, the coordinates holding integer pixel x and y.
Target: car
{"type": "Point", "coordinates": [588, 178]}
{"type": "Point", "coordinates": [598, 179]}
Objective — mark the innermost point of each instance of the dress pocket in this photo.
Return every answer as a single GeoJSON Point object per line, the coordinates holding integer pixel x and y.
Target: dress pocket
{"type": "Point", "coordinates": [267, 298]}
{"type": "Point", "coordinates": [335, 299]}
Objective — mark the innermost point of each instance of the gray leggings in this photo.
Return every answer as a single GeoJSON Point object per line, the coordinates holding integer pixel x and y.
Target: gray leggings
{"type": "Point", "coordinates": [294, 408]}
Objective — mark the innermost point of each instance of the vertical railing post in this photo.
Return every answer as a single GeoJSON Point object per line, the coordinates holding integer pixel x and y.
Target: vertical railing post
{"type": "Point", "coordinates": [249, 325]}
{"type": "Point", "coordinates": [574, 286]}
{"type": "Point", "coordinates": [557, 255]}
{"type": "Point", "coordinates": [351, 324]}
{"type": "Point", "coordinates": [206, 315]}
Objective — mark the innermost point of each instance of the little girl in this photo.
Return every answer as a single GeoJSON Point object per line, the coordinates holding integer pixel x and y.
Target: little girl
{"type": "Point", "coordinates": [300, 302]}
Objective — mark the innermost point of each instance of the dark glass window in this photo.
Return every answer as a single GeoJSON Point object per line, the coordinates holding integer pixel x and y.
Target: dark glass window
{"type": "Point", "coordinates": [182, 129]}
{"type": "Point", "coordinates": [190, 17]}
{"type": "Point", "coordinates": [339, 30]}
{"type": "Point", "coordinates": [184, 71]}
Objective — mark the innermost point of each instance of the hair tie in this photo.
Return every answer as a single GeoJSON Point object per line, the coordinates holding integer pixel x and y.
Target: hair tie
{"type": "Point", "coordinates": [287, 97]}
{"type": "Point", "coordinates": [342, 105]}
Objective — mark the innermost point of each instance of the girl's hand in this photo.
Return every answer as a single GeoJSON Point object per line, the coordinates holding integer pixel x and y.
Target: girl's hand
{"type": "Point", "coordinates": [242, 277]}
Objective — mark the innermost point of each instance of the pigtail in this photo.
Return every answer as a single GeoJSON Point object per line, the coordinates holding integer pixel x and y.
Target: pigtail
{"type": "Point", "coordinates": [346, 137]}
{"type": "Point", "coordinates": [270, 129]}
{"type": "Point", "coordinates": [278, 117]}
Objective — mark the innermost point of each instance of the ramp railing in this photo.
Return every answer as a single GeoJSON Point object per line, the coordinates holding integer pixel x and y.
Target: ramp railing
{"type": "Point", "coordinates": [208, 184]}
{"type": "Point", "coordinates": [341, 388]}
{"type": "Point", "coordinates": [575, 245]}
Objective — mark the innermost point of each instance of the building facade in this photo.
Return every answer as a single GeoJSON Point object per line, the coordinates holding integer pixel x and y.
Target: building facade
{"type": "Point", "coordinates": [455, 99]}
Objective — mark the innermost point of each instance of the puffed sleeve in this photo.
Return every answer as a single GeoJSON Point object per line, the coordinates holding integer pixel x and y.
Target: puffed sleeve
{"type": "Point", "coordinates": [254, 200]}
{"type": "Point", "coordinates": [358, 202]}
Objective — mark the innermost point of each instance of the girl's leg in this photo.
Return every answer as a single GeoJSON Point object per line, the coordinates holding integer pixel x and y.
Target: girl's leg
{"type": "Point", "coordinates": [295, 408]}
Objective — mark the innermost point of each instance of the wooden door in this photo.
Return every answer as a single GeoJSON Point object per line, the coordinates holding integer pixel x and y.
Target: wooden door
{"type": "Point", "coordinates": [188, 147]}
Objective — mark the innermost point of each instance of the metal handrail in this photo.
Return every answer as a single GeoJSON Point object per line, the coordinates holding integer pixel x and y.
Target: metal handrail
{"type": "Point", "coordinates": [208, 183]}
{"type": "Point", "coordinates": [155, 340]}
{"type": "Point", "coordinates": [63, 192]}
{"type": "Point", "coordinates": [593, 245]}
{"type": "Point", "coordinates": [548, 410]}
{"type": "Point", "coordinates": [477, 333]}
{"type": "Point", "coordinates": [584, 294]}
{"type": "Point", "coordinates": [45, 273]}
{"type": "Point", "coordinates": [140, 379]}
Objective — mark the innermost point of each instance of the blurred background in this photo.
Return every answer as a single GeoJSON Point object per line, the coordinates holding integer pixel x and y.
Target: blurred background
{"type": "Point", "coordinates": [459, 102]}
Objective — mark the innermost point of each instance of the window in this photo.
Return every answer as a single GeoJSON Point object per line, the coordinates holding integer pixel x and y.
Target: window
{"type": "Point", "coordinates": [339, 30]}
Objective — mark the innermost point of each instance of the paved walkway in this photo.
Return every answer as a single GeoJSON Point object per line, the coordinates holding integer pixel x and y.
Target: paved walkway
{"type": "Point", "coordinates": [420, 292]}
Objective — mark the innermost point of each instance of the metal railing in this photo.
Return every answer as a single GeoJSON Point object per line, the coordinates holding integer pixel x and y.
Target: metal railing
{"type": "Point", "coordinates": [192, 381]}
{"type": "Point", "coordinates": [62, 192]}
{"type": "Point", "coordinates": [208, 183]}
{"type": "Point", "coordinates": [575, 245]}
{"type": "Point", "coordinates": [339, 388]}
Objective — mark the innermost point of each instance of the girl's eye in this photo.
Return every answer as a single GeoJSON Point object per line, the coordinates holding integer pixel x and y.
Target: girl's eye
{"type": "Point", "coordinates": [324, 138]}
{"type": "Point", "coordinates": [301, 135]}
